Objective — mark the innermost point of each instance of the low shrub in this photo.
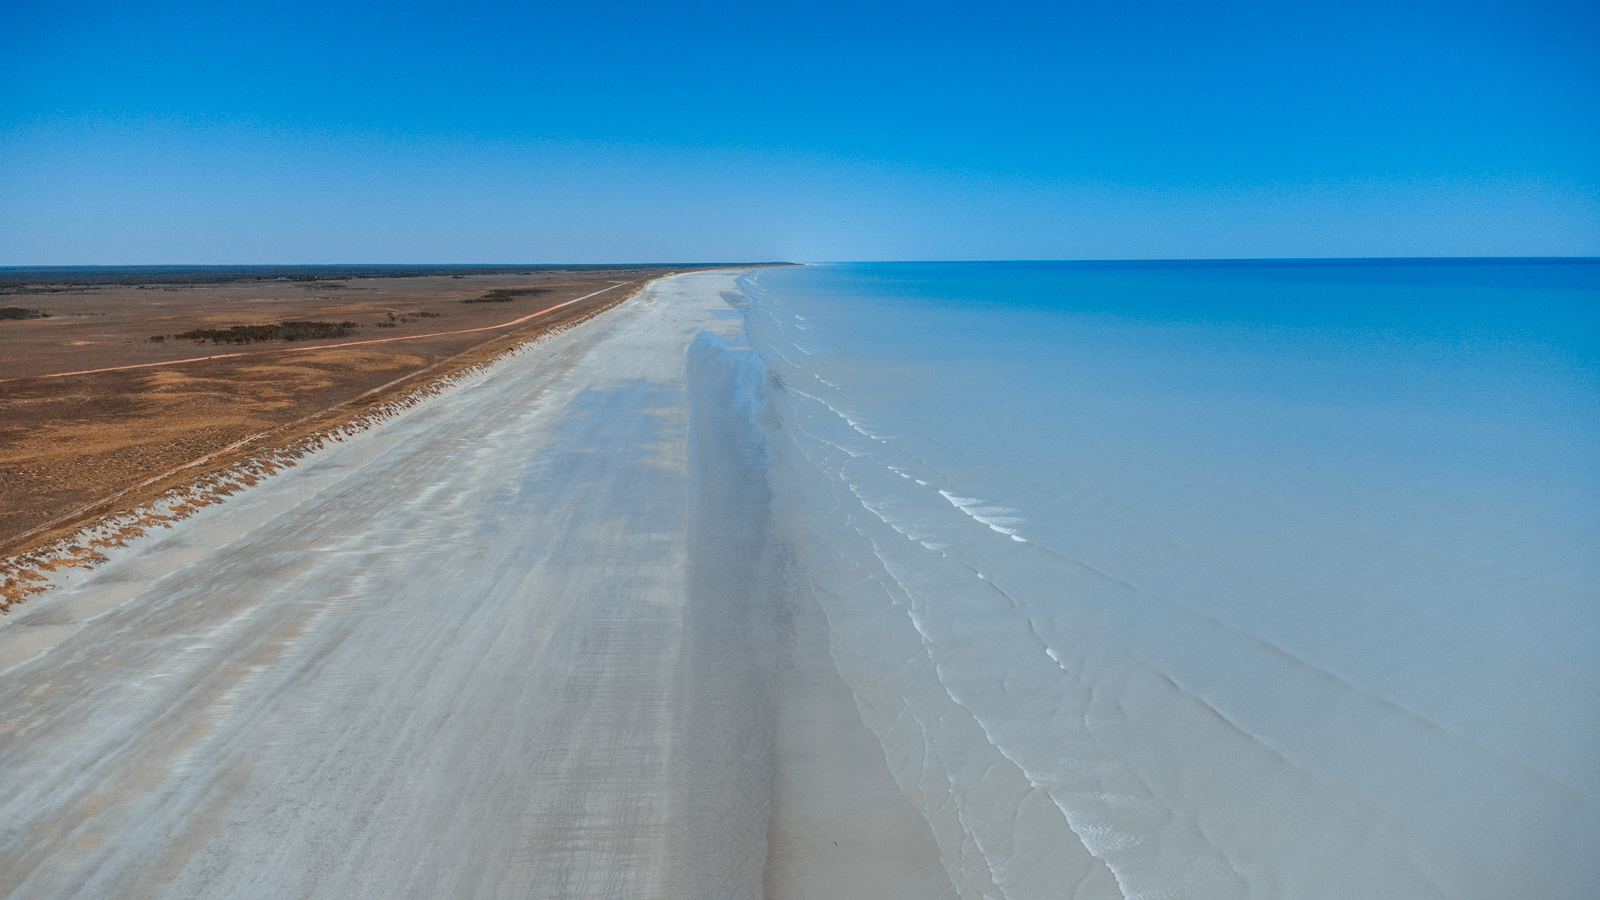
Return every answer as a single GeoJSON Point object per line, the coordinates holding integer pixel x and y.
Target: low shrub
{"type": "Point", "coordinates": [283, 331]}
{"type": "Point", "coordinates": [506, 295]}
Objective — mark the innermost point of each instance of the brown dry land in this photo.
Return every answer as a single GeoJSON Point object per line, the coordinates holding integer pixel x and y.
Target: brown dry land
{"type": "Point", "coordinates": [70, 445]}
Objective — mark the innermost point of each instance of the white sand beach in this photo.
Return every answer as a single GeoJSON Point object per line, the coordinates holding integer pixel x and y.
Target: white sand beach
{"type": "Point", "coordinates": [531, 638]}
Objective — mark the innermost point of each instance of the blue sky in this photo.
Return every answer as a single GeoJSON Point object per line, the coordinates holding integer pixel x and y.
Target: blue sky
{"type": "Point", "coordinates": [497, 132]}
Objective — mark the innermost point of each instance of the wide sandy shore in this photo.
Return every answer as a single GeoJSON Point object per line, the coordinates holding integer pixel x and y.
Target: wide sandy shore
{"type": "Point", "coordinates": [531, 638]}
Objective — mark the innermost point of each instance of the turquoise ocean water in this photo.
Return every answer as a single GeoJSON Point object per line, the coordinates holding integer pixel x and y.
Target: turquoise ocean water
{"type": "Point", "coordinates": [1234, 579]}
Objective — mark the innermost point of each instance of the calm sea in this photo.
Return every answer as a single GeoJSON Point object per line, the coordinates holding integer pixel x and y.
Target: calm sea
{"type": "Point", "coordinates": [1265, 579]}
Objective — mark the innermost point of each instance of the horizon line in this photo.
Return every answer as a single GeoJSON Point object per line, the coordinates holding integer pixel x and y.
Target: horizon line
{"type": "Point", "coordinates": [22, 267]}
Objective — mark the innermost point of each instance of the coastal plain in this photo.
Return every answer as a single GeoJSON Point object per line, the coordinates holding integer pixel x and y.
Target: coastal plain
{"type": "Point", "coordinates": [152, 392]}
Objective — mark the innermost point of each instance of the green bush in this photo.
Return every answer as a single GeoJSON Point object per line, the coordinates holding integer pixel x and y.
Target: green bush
{"type": "Point", "coordinates": [283, 331]}
{"type": "Point", "coordinates": [506, 295]}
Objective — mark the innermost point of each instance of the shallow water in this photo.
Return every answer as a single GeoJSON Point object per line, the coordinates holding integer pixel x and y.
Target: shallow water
{"type": "Point", "coordinates": [1210, 580]}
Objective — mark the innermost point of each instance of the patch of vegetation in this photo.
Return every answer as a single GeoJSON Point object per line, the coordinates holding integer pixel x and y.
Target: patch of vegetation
{"type": "Point", "coordinates": [283, 331]}
{"type": "Point", "coordinates": [43, 289]}
{"type": "Point", "coordinates": [17, 312]}
{"type": "Point", "coordinates": [506, 295]}
{"type": "Point", "coordinates": [158, 337]}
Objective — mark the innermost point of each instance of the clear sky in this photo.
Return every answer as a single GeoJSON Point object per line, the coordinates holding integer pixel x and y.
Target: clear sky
{"type": "Point", "coordinates": [206, 132]}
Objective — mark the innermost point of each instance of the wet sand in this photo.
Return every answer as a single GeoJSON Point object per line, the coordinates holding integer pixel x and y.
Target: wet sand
{"type": "Point", "coordinates": [530, 638]}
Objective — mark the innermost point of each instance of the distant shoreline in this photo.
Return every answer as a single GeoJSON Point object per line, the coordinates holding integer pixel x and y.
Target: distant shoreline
{"type": "Point", "coordinates": [14, 278]}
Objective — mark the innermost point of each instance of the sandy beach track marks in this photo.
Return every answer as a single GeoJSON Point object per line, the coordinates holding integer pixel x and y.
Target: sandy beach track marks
{"type": "Point", "coordinates": [461, 654]}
